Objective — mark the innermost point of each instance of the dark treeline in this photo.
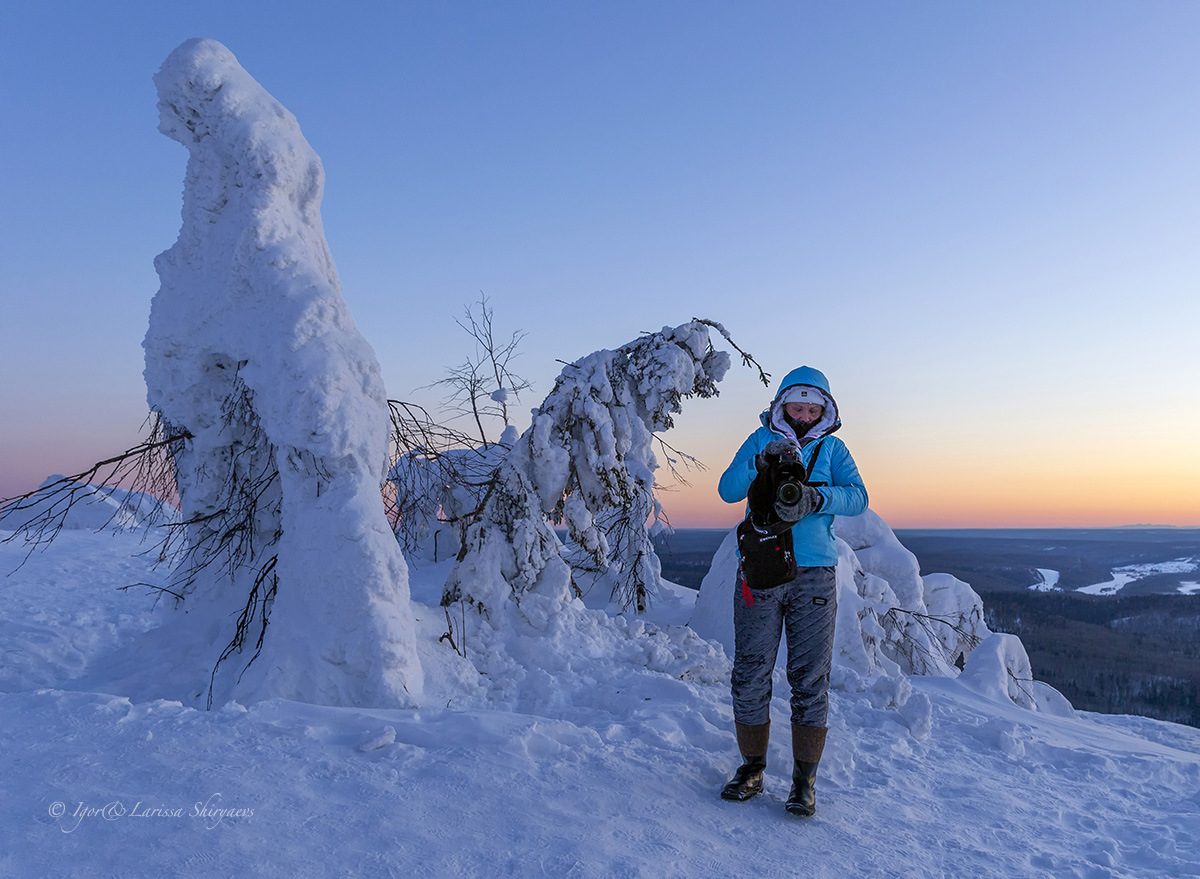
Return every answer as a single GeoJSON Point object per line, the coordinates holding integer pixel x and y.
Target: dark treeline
{"type": "Point", "coordinates": [1128, 655]}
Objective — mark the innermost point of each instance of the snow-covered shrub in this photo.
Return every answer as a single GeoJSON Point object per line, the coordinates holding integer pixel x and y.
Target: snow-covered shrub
{"type": "Point", "coordinates": [291, 583]}
{"type": "Point", "coordinates": [891, 622]}
{"type": "Point", "coordinates": [999, 668]}
{"type": "Point", "coordinates": [859, 654]}
{"type": "Point", "coordinates": [956, 615]}
{"type": "Point", "coordinates": [914, 638]}
{"type": "Point", "coordinates": [586, 461]}
{"type": "Point", "coordinates": [712, 616]}
{"type": "Point", "coordinates": [440, 492]}
{"type": "Point", "coordinates": [859, 637]}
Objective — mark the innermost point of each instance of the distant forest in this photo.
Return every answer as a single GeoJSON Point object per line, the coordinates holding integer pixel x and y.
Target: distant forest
{"type": "Point", "coordinates": [1137, 652]}
{"type": "Point", "coordinates": [1135, 655]}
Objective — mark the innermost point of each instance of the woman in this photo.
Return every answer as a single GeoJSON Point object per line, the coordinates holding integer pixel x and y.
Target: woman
{"type": "Point", "coordinates": [799, 421]}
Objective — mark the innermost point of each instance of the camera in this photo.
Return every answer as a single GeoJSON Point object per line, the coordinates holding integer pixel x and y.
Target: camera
{"type": "Point", "coordinates": [778, 488]}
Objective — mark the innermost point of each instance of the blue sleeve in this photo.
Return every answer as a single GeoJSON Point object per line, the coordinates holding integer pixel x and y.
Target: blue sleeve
{"type": "Point", "coordinates": [736, 479]}
{"type": "Point", "coordinates": [845, 495]}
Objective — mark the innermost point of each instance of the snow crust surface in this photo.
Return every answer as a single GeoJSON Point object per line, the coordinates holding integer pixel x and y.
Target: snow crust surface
{"type": "Point", "coordinates": [596, 749]}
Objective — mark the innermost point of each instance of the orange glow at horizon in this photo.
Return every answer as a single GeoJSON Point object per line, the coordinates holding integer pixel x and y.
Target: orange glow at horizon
{"type": "Point", "coordinates": [985, 493]}
{"type": "Point", "coordinates": [960, 513]}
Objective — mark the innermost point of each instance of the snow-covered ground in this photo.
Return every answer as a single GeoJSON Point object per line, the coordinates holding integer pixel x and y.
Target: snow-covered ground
{"type": "Point", "coordinates": [607, 764]}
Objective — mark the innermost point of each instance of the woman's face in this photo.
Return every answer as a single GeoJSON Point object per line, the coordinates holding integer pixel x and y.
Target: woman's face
{"type": "Point", "coordinates": [803, 411]}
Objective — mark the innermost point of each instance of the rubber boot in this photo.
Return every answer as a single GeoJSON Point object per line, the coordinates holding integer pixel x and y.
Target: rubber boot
{"type": "Point", "coordinates": [748, 780]}
{"type": "Point", "coordinates": [808, 743]}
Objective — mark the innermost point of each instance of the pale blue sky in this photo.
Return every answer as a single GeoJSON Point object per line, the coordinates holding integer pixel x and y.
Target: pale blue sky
{"type": "Point", "coordinates": [979, 218]}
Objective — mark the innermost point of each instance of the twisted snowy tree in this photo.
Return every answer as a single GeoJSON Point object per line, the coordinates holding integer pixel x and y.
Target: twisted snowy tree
{"type": "Point", "coordinates": [586, 461]}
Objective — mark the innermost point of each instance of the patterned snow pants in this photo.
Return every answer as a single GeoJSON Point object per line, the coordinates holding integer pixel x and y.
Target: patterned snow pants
{"type": "Point", "coordinates": [805, 608]}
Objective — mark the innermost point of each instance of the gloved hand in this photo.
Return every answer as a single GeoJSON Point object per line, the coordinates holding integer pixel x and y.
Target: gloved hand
{"type": "Point", "coordinates": [774, 449]}
{"type": "Point", "coordinates": [779, 446]}
{"type": "Point", "coordinates": [810, 501]}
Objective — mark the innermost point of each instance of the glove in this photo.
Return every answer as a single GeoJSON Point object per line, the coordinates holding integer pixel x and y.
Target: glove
{"type": "Point", "coordinates": [778, 447]}
{"type": "Point", "coordinates": [810, 501]}
{"type": "Point", "coordinates": [774, 450]}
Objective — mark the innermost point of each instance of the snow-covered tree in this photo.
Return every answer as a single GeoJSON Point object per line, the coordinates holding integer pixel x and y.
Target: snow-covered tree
{"type": "Point", "coordinates": [586, 461]}
{"type": "Point", "coordinates": [291, 583]}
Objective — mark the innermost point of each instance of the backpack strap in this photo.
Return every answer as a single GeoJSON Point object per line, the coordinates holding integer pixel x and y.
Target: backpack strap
{"type": "Point", "coordinates": [812, 462]}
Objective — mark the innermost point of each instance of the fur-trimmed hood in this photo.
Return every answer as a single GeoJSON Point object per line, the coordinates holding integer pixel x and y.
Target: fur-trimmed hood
{"type": "Point", "coordinates": [772, 417]}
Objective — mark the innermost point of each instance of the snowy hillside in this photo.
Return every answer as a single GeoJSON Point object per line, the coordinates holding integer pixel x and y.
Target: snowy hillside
{"type": "Point", "coordinates": [601, 760]}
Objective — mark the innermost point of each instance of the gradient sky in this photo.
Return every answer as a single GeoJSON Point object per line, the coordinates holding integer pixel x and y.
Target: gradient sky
{"type": "Point", "coordinates": [980, 219]}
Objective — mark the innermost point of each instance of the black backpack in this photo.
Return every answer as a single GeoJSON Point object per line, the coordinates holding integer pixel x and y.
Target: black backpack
{"type": "Point", "coordinates": [767, 554]}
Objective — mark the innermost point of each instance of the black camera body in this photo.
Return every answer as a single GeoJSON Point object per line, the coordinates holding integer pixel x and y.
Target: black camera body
{"type": "Point", "coordinates": [779, 485]}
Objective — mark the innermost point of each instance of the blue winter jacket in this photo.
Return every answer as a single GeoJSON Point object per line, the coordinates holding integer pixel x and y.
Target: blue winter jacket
{"type": "Point", "coordinates": [834, 472]}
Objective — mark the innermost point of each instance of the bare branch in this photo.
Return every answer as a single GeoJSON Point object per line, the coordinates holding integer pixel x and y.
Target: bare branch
{"type": "Point", "coordinates": [747, 360]}
{"type": "Point", "coordinates": [432, 462]}
{"type": "Point", "coordinates": [912, 649]}
{"type": "Point", "coordinates": [145, 470]}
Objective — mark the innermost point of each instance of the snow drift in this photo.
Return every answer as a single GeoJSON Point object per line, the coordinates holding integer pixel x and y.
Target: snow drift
{"type": "Point", "coordinates": [86, 507]}
{"type": "Point", "coordinates": [595, 752]}
{"type": "Point", "coordinates": [253, 353]}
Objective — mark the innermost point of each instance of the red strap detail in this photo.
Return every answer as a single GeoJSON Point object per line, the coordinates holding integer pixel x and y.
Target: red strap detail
{"type": "Point", "coordinates": [746, 595]}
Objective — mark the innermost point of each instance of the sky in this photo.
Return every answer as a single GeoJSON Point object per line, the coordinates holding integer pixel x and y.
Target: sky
{"type": "Point", "coordinates": [979, 219]}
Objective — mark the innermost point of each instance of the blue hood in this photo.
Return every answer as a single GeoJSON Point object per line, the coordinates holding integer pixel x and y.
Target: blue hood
{"type": "Point", "coordinates": [805, 375]}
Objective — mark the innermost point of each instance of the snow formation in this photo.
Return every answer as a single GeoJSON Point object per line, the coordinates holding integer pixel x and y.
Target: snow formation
{"type": "Point", "coordinates": [252, 351]}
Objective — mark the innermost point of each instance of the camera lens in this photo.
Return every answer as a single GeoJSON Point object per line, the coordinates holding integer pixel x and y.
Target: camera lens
{"type": "Point", "coordinates": [789, 493]}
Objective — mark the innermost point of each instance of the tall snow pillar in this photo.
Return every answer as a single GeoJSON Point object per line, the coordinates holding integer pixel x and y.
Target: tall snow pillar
{"type": "Point", "coordinates": [252, 351]}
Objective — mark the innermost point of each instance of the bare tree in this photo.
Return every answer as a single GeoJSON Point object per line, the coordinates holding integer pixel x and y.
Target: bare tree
{"type": "Point", "coordinates": [481, 387]}
{"type": "Point", "coordinates": [439, 473]}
